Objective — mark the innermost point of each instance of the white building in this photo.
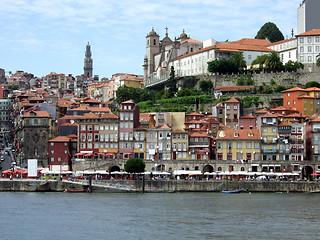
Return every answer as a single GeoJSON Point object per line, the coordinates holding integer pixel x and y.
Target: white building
{"type": "Point", "coordinates": [308, 48]}
{"type": "Point", "coordinates": [287, 49]}
{"type": "Point", "coordinates": [196, 63]}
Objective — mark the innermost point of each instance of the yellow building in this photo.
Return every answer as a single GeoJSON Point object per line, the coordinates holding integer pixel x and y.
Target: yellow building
{"type": "Point", "coordinates": [238, 145]}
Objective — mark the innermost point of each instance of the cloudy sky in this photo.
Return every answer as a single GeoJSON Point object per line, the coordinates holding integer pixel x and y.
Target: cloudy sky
{"type": "Point", "coordinates": [43, 36]}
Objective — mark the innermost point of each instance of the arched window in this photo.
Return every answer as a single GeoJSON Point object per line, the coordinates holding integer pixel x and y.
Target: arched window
{"type": "Point", "coordinates": [242, 169]}
{"type": "Point", "coordinates": [154, 42]}
{"type": "Point", "coordinates": [219, 169]}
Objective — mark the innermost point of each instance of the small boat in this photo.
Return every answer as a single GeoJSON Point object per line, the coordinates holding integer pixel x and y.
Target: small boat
{"type": "Point", "coordinates": [74, 191]}
{"type": "Point", "coordinates": [233, 191]}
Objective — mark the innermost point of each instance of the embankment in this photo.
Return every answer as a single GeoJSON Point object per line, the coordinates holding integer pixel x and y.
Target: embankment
{"type": "Point", "coordinates": [156, 186]}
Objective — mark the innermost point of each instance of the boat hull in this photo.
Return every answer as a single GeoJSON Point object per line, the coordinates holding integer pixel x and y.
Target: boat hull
{"type": "Point", "coordinates": [232, 192]}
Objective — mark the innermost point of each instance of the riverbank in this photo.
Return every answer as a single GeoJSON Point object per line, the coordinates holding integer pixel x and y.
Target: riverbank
{"type": "Point", "coordinates": [33, 185]}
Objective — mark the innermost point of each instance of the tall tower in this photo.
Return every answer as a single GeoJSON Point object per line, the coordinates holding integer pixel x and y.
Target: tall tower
{"type": "Point", "coordinates": [153, 48]}
{"type": "Point", "coordinates": [87, 68]}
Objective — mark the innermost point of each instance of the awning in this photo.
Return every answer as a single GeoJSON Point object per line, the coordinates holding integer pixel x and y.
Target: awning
{"type": "Point", "coordinates": [186, 172]}
{"type": "Point", "coordinates": [110, 154]}
{"type": "Point", "coordinates": [79, 154]}
{"type": "Point", "coordinates": [255, 165]}
{"type": "Point", "coordinates": [129, 154]}
{"type": "Point", "coordinates": [89, 154]}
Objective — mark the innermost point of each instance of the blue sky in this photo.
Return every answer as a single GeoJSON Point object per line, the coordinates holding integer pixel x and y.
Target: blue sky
{"type": "Point", "coordinates": [43, 36]}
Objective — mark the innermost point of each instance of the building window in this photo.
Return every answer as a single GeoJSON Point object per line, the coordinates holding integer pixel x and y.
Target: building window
{"type": "Point", "coordinates": [309, 39]}
{"type": "Point", "coordinates": [52, 144]}
{"type": "Point", "coordinates": [249, 145]}
{"type": "Point", "coordinates": [309, 49]}
{"type": "Point", "coordinates": [220, 156]}
{"type": "Point", "coordinates": [309, 58]}
{"type": "Point", "coordinates": [59, 159]}
{"type": "Point", "coordinates": [229, 156]}
{"type": "Point", "coordinates": [301, 40]}
{"type": "Point", "coordinates": [301, 49]}
{"type": "Point", "coordinates": [317, 39]}
{"type": "Point", "coordinates": [52, 159]}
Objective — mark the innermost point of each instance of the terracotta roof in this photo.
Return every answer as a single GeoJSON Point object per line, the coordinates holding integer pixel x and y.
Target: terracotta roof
{"type": "Point", "coordinates": [253, 41]}
{"type": "Point", "coordinates": [294, 90]}
{"type": "Point", "coordinates": [313, 89]}
{"type": "Point", "coordinates": [242, 134]}
{"type": "Point", "coordinates": [269, 115]}
{"type": "Point", "coordinates": [316, 119]}
{"type": "Point", "coordinates": [313, 32]}
{"type": "Point", "coordinates": [233, 100]}
{"type": "Point", "coordinates": [60, 139]}
{"type": "Point", "coordinates": [248, 116]}
{"type": "Point", "coordinates": [194, 114]}
{"type": "Point", "coordinates": [262, 111]}
{"type": "Point", "coordinates": [191, 40]}
{"type": "Point", "coordinates": [38, 114]}
{"type": "Point", "coordinates": [295, 115]}
{"type": "Point", "coordinates": [282, 41]}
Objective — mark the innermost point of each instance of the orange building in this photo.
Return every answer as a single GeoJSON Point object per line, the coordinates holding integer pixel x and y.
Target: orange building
{"type": "Point", "coordinates": [306, 101]}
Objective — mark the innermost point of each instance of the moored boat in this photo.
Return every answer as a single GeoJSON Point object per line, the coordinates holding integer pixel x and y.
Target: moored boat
{"type": "Point", "coordinates": [74, 191]}
{"type": "Point", "coordinates": [233, 191]}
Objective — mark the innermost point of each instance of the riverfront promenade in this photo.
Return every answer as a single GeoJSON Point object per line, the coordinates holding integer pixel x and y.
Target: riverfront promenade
{"type": "Point", "coordinates": [34, 185]}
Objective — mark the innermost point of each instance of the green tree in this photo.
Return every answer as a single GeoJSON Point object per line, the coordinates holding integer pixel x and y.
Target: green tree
{"type": "Point", "coordinates": [293, 66]}
{"type": "Point", "coordinates": [206, 86]}
{"type": "Point", "coordinates": [273, 62]}
{"type": "Point", "coordinates": [134, 165]}
{"type": "Point", "coordinates": [172, 83]}
{"type": "Point", "coordinates": [312, 84]}
{"type": "Point", "coordinates": [260, 59]}
{"type": "Point", "coordinates": [240, 81]}
{"type": "Point", "coordinates": [238, 59]}
{"type": "Point", "coordinates": [280, 88]}
{"type": "Point", "coordinates": [223, 66]}
{"type": "Point", "coordinates": [318, 60]}
{"type": "Point", "coordinates": [185, 92]}
{"type": "Point", "coordinates": [270, 31]}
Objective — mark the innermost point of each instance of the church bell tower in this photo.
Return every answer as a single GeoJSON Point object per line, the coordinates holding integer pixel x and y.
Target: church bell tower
{"type": "Point", "coordinates": [88, 62]}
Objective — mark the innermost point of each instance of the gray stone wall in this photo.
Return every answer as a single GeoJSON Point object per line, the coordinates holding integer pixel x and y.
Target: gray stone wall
{"type": "Point", "coordinates": [286, 79]}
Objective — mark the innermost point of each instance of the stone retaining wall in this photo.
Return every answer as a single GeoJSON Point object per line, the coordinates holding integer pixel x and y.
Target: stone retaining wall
{"type": "Point", "coordinates": [158, 186]}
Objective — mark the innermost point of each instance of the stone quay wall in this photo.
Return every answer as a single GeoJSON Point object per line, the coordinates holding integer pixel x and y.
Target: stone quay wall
{"type": "Point", "coordinates": [158, 186]}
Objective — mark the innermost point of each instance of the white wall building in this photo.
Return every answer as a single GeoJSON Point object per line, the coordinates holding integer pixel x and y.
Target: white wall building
{"type": "Point", "coordinates": [287, 49]}
{"type": "Point", "coordinates": [308, 48]}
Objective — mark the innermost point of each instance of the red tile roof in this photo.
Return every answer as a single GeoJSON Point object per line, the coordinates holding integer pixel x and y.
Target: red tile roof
{"type": "Point", "coordinates": [243, 134]}
{"type": "Point", "coordinates": [294, 90]}
{"type": "Point", "coordinates": [313, 32]}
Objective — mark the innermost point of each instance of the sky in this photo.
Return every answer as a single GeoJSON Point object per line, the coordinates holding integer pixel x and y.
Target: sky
{"type": "Point", "coordinates": [44, 36]}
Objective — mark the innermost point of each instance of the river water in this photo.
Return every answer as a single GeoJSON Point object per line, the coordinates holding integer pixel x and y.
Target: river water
{"type": "Point", "coordinates": [159, 216]}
